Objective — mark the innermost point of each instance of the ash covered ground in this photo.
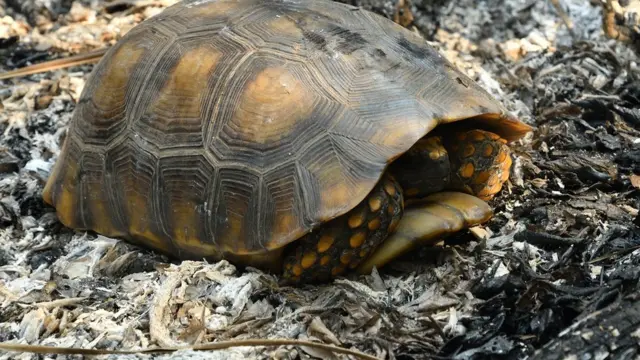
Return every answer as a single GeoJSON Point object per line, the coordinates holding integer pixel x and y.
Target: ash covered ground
{"type": "Point", "coordinates": [553, 274]}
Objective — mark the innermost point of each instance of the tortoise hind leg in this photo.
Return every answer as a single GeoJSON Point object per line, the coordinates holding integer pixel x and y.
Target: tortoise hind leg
{"type": "Point", "coordinates": [435, 216]}
{"type": "Point", "coordinates": [344, 242]}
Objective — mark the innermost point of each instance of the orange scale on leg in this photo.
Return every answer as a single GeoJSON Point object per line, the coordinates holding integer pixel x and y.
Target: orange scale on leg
{"type": "Point", "coordinates": [374, 224]}
{"type": "Point", "coordinates": [297, 270]}
{"type": "Point", "coordinates": [345, 258]}
{"type": "Point", "coordinates": [357, 239]}
{"type": "Point", "coordinates": [394, 224]}
{"type": "Point", "coordinates": [506, 165]}
{"type": "Point", "coordinates": [434, 147]}
{"type": "Point", "coordinates": [504, 175]}
{"type": "Point", "coordinates": [489, 191]}
{"type": "Point", "coordinates": [478, 135]}
{"type": "Point", "coordinates": [466, 170]}
{"type": "Point", "coordinates": [493, 180]}
{"type": "Point", "coordinates": [469, 150]}
{"type": "Point", "coordinates": [308, 260]}
{"type": "Point", "coordinates": [356, 220]}
{"type": "Point", "coordinates": [338, 270]}
{"type": "Point", "coordinates": [482, 177]}
{"type": "Point", "coordinates": [375, 203]}
{"type": "Point", "coordinates": [496, 188]}
{"type": "Point", "coordinates": [435, 154]}
{"type": "Point", "coordinates": [389, 188]}
{"type": "Point", "coordinates": [502, 156]}
{"type": "Point", "coordinates": [325, 243]}
{"type": "Point", "coordinates": [484, 192]}
{"type": "Point", "coordinates": [488, 150]}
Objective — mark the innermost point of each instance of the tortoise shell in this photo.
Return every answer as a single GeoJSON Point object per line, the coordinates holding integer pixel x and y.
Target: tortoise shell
{"type": "Point", "coordinates": [237, 126]}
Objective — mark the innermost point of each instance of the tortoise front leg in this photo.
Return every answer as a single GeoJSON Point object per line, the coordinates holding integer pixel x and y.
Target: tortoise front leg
{"type": "Point", "coordinates": [344, 242]}
{"type": "Point", "coordinates": [471, 167]}
{"type": "Point", "coordinates": [428, 221]}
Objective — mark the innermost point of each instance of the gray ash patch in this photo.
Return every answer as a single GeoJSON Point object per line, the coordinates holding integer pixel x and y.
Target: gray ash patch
{"type": "Point", "coordinates": [14, 56]}
{"type": "Point", "coordinates": [5, 257]}
{"type": "Point", "coordinates": [502, 20]}
{"type": "Point", "coordinates": [20, 146]}
{"type": "Point", "coordinates": [629, 161]}
{"type": "Point", "coordinates": [20, 139]}
{"type": "Point", "coordinates": [48, 255]}
{"type": "Point", "coordinates": [34, 10]}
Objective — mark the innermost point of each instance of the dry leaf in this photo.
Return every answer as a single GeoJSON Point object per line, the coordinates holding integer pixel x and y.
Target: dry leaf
{"type": "Point", "coordinates": [319, 329]}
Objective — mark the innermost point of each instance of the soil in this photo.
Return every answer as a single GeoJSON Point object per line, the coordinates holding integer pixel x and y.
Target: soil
{"type": "Point", "coordinates": [554, 274]}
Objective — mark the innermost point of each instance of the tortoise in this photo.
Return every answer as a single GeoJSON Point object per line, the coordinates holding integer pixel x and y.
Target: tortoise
{"type": "Point", "coordinates": [307, 138]}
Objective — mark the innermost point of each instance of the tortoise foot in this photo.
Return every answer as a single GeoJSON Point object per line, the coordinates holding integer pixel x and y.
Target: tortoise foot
{"type": "Point", "coordinates": [343, 243]}
{"type": "Point", "coordinates": [437, 216]}
{"type": "Point", "coordinates": [480, 162]}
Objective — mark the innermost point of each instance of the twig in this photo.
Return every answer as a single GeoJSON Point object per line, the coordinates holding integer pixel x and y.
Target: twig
{"type": "Point", "coordinates": [81, 59]}
{"type": "Point", "coordinates": [601, 97]}
{"type": "Point", "coordinates": [548, 71]}
{"type": "Point", "coordinates": [38, 349]}
{"type": "Point", "coordinates": [157, 329]}
{"type": "Point", "coordinates": [563, 15]}
{"type": "Point", "coordinates": [538, 238]}
{"type": "Point", "coordinates": [60, 302]}
{"type": "Point", "coordinates": [436, 326]}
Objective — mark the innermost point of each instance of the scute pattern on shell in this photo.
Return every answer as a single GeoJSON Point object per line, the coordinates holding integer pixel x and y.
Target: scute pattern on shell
{"type": "Point", "coordinates": [238, 126]}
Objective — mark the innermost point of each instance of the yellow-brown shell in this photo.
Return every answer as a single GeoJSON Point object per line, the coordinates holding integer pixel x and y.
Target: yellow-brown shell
{"type": "Point", "coordinates": [237, 126]}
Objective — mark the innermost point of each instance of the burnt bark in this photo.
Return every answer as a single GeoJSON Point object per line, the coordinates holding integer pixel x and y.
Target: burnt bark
{"type": "Point", "coordinates": [610, 333]}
